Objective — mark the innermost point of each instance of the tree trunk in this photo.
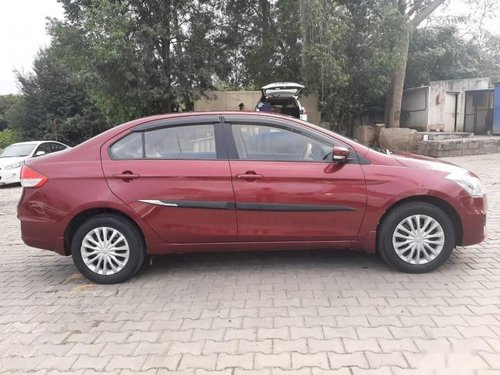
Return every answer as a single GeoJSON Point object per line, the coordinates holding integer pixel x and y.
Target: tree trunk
{"type": "Point", "coordinates": [395, 94]}
{"type": "Point", "coordinates": [267, 49]}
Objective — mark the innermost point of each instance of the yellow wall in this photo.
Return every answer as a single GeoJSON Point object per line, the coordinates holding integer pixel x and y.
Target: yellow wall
{"type": "Point", "coordinates": [229, 101]}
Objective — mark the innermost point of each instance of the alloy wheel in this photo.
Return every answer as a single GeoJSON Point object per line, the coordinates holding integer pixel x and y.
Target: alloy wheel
{"type": "Point", "coordinates": [418, 239]}
{"type": "Point", "coordinates": [105, 251]}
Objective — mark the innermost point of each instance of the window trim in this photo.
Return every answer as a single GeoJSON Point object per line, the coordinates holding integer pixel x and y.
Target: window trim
{"type": "Point", "coordinates": [177, 121]}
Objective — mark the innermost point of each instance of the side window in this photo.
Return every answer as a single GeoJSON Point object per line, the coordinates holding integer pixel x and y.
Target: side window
{"type": "Point", "coordinates": [129, 147]}
{"type": "Point", "coordinates": [54, 147]}
{"type": "Point", "coordinates": [43, 147]}
{"type": "Point", "coordinates": [181, 142]}
{"type": "Point", "coordinates": [262, 142]}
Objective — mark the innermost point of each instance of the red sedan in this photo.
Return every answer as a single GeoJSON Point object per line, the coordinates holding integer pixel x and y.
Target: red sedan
{"type": "Point", "coordinates": [242, 181]}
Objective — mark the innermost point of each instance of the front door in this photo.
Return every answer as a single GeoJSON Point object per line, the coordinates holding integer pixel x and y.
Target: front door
{"type": "Point", "coordinates": [177, 179]}
{"type": "Point", "coordinates": [288, 189]}
{"type": "Point", "coordinates": [451, 108]}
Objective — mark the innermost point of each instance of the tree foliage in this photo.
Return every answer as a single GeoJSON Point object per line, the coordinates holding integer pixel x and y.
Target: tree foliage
{"type": "Point", "coordinates": [137, 57]}
{"type": "Point", "coordinates": [9, 136]}
{"type": "Point", "coordinates": [7, 102]}
{"type": "Point", "coordinates": [440, 52]}
{"type": "Point", "coordinates": [347, 55]}
{"type": "Point", "coordinates": [263, 41]}
{"type": "Point", "coordinates": [54, 104]}
{"type": "Point", "coordinates": [114, 60]}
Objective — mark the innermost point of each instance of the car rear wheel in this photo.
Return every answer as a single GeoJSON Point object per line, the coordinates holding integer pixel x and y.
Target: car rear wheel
{"type": "Point", "coordinates": [416, 237]}
{"type": "Point", "coordinates": [108, 249]}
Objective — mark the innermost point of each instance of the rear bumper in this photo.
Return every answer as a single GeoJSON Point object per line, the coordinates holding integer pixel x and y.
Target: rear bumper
{"type": "Point", "coordinates": [42, 235]}
{"type": "Point", "coordinates": [473, 216]}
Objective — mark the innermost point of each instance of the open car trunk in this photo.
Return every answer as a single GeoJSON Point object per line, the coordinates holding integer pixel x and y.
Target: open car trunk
{"type": "Point", "coordinates": [285, 106]}
{"type": "Point", "coordinates": [282, 90]}
{"type": "Point", "coordinates": [283, 98]}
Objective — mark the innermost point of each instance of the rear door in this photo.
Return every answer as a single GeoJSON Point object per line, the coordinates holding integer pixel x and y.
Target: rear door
{"type": "Point", "coordinates": [176, 176]}
{"type": "Point", "coordinates": [287, 188]}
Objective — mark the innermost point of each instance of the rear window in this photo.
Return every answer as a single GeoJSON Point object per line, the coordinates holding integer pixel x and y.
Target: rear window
{"type": "Point", "coordinates": [182, 142]}
{"type": "Point", "coordinates": [57, 147]}
{"type": "Point", "coordinates": [129, 147]}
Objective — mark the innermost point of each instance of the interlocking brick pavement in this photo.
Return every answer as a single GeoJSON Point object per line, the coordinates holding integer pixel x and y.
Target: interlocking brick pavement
{"type": "Point", "coordinates": [255, 313]}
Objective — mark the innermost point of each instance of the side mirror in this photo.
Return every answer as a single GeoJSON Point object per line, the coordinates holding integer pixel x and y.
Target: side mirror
{"type": "Point", "coordinates": [39, 153]}
{"type": "Point", "coordinates": [340, 154]}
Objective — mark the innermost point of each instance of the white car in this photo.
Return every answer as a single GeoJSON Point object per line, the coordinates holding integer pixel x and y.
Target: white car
{"type": "Point", "coordinates": [284, 98]}
{"type": "Point", "coordinates": [13, 156]}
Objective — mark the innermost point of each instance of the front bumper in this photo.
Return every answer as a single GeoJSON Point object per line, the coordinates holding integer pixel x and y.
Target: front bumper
{"type": "Point", "coordinates": [473, 216]}
{"type": "Point", "coordinates": [10, 176]}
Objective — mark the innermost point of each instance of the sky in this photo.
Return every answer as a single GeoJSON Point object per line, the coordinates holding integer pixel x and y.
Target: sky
{"type": "Point", "coordinates": [23, 34]}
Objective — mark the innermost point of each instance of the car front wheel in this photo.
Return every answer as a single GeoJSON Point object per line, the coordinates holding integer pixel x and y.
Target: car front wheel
{"type": "Point", "coordinates": [107, 249]}
{"type": "Point", "coordinates": [416, 237]}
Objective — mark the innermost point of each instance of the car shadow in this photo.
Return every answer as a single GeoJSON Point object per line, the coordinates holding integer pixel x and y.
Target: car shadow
{"type": "Point", "coordinates": [191, 271]}
{"type": "Point", "coordinates": [333, 261]}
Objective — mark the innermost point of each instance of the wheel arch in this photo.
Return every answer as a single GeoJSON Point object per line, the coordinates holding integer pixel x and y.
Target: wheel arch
{"type": "Point", "coordinates": [83, 216]}
{"type": "Point", "coordinates": [438, 202]}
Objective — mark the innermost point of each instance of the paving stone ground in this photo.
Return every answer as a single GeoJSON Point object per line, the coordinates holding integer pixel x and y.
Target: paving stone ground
{"type": "Point", "coordinates": [254, 313]}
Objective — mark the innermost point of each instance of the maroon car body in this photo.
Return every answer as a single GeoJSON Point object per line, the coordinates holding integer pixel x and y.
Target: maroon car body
{"type": "Point", "coordinates": [229, 202]}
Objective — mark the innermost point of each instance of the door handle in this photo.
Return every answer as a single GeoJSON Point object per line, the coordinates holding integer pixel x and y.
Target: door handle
{"type": "Point", "coordinates": [250, 176]}
{"type": "Point", "coordinates": [127, 175]}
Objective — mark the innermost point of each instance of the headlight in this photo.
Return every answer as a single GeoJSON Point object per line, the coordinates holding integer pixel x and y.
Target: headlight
{"type": "Point", "coordinates": [472, 185]}
{"type": "Point", "coordinates": [14, 166]}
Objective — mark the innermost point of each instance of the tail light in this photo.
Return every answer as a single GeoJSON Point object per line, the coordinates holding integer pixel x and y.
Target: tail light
{"type": "Point", "coordinates": [31, 178]}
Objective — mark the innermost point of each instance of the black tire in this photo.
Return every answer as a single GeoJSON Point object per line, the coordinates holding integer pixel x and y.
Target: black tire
{"type": "Point", "coordinates": [395, 216]}
{"type": "Point", "coordinates": [132, 236]}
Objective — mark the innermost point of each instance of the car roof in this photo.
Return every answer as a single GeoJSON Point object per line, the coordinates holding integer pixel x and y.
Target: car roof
{"type": "Point", "coordinates": [36, 143]}
{"type": "Point", "coordinates": [89, 145]}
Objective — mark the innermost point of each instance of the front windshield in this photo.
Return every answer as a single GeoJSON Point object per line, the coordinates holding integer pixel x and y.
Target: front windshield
{"type": "Point", "coordinates": [17, 150]}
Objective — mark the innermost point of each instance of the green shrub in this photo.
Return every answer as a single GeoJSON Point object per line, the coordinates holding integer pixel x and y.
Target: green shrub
{"type": "Point", "coordinates": [7, 137]}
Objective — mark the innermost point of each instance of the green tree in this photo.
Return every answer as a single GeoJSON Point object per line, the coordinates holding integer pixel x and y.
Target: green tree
{"type": "Point", "coordinates": [7, 102]}
{"type": "Point", "coordinates": [438, 53]}
{"type": "Point", "coordinates": [9, 136]}
{"type": "Point", "coordinates": [347, 56]}
{"type": "Point", "coordinates": [412, 13]}
{"type": "Point", "coordinates": [488, 63]}
{"type": "Point", "coordinates": [441, 52]}
{"type": "Point", "coordinates": [138, 57]}
{"type": "Point", "coordinates": [54, 104]}
{"type": "Point", "coordinates": [263, 41]}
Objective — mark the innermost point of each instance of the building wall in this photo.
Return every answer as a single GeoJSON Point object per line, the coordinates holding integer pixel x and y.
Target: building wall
{"type": "Point", "coordinates": [415, 108]}
{"type": "Point", "coordinates": [229, 101]}
{"type": "Point", "coordinates": [439, 93]}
